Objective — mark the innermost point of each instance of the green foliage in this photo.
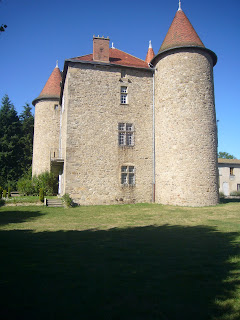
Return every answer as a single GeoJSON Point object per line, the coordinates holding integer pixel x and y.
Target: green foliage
{"type": "Point", "coordinates": [3, 27]}
{"type": "Point", "coordinates": [67, 200]}
{"type": "Point", "coordinates": [4, 194]}
{"type": "Point", "coordinates": [235, 193]}
{"type": "Point", "coordinates": [221, 195]}
{"type": "Point", "coordinates": [225, 155]}
{"type": "Point", "coordinates": [2, 202]}
{"type": "Point", "coordinates": [16, 140]}
{"type": "Point", "coordinates": [46, 181]}
{"type": "Point", "coordinates": [25, 184]}
{"type": "Point", "coordinates": [1, 191]}
{"type": "Point", "coordinates": [10, 131]}
{"type": "Point", "coordinates": [9, 192]}
{"type": "Point", "coordinates": [26, 140]}
{"type": "Point", "coordinates": [41, 195]}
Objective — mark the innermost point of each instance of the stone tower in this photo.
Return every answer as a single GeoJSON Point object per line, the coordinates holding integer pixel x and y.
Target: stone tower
{"type": "Point", "coordinates": [185, 120]}
{"type": "Point", "coordinates": [47, 124]}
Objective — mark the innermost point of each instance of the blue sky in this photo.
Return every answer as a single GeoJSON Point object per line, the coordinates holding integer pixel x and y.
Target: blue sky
{"type": "Point", "coordinates": [41, 32]}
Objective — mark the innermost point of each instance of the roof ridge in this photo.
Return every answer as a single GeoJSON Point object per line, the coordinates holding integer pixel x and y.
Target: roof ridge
{"type": "Point", "coordinates": [128, 54]}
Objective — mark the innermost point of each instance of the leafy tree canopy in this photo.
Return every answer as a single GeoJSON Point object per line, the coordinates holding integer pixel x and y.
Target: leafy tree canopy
{"type": "Point", "coordinates": [225, 155]}
{"type": "Point", "coordinates": [16, 137]}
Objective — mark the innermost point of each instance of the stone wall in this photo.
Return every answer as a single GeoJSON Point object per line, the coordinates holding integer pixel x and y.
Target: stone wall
{"type": "Point", "coordinates": [229, 180]}
{"type": "Point", "coordinates": [93, 157]}
{"type": "Point", "coordinates": [46, 135]}
{"type": "Point", "coordinates": [186, 135]}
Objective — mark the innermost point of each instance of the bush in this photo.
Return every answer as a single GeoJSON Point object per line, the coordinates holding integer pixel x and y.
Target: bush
{"type": "Point", "coordinates": [67, 200]}
{"type": "Point", "coordinates": [1, 191]}
{"type": "Point", "coordinates": [4, 194]}
{"type": "Point", "coordinates": [221, 195]}
{"type": "Point", "coordinates": [41, 195]}
{"type": "Point", "coordinates": [2, 202]}
{"type": "Point", "coordinates": [25, 186]}
{"type": "Point", "coordinates": [235, 193]}
{"type": "Point", "coordinates": [9, 192]}
{"type": "Point", "coordinates": [46, 181]}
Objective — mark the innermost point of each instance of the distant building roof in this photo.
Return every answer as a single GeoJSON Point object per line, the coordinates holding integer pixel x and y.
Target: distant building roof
{"type": "Point", "coordinates": [117, 57]}
{"type": "Point", "coordinates": [228, 161]}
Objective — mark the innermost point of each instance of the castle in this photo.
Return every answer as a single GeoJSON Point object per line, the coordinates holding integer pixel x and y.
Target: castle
{"type": "Point", "coordinates": [117, 129]}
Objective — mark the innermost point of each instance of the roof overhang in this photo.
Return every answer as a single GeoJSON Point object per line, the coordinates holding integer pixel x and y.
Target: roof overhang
{"type": "Point", "coordinates": [53, 98]}
{"type": "Point", "coordinates": [184, 48]}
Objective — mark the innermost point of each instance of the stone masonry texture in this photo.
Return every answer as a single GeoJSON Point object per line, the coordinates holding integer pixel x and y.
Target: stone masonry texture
{"type": "Point", "coordinates": [186, 133]}
{"type": "Point", "coordinates": [91, 113]}
{"type": "Point", "coordinates": [46, 134]}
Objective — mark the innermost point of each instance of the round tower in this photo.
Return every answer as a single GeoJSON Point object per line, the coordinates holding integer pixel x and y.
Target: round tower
{"type": "Point", "coordinates": [185, 120]}
{"type": "Point", "coordinates": [47, 124]}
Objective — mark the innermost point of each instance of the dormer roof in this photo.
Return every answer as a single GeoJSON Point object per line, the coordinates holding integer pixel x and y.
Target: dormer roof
{"type": "Point", "coordinates": [52, 87]}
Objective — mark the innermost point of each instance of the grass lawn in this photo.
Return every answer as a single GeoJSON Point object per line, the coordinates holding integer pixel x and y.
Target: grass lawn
{"type": "Point", "coordinates": [133, 262]}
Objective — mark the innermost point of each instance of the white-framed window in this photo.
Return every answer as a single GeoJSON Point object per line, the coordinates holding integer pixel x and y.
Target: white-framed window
{"type": "Point", "coordinates": [128, 175]}
{"type": "Point", "coordinates": [124, 95]}
{"type": "Point", "coordinates": [125, 134]}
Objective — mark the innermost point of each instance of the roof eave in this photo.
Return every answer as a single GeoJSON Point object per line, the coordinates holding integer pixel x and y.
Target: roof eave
{"type": "Point", "coordinates": [56, 98]}
{"type": "Point", "coordinates": [210, 52]}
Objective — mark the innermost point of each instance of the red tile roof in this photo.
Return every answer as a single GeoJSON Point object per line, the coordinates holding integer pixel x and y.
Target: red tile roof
{"type": "Point", "coordinates": [118, 57]}
{"type": "Point", "coordinates": [52, 86]}
{"type": "Point", "coordinates": [150, 55]}
{"type": "Point", "coordinates": [181, 33]}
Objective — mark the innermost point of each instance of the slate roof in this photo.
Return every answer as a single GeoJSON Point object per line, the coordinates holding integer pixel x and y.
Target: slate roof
{"type": "Point", "coordinates": [118, 57]}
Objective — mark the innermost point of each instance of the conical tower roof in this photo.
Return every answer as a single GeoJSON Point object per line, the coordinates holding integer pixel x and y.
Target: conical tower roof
{"type": "Point", "coordinates": [52, 87]}
{"type": "Point", "coordinates": [181, 34]}
{"type": "Point", "coordinates": [150, 54]}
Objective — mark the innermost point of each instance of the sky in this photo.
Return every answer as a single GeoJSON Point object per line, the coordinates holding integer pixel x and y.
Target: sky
{"type": "Point", "coordinates": [41, 32]}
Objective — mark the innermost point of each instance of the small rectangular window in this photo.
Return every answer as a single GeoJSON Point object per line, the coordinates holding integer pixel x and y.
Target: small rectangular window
{"type": "Point", "coordinates": [231, 171]}
{"type": "Point", "coordinates": [128, 175]}
{"type": "Point", "coordinates": [125, 134]}
{"type": "Point", "coordinates": [238, 187]}
{"type": "Point", "coordinates": [124, 95]}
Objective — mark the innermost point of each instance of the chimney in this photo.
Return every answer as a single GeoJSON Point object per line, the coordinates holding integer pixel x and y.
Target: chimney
{"type": "Point", "coordinates": [100, 49]}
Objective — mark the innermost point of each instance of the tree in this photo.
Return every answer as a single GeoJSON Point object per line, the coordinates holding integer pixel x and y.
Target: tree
{"type": "Point", "coordinates": [3, 27]}
{"type": "Point", "coordinates": [225, 155]}
{"type": "Point", "coordinates": [10, 150]}
{"type": "Point", "coordinates": [26, 140]}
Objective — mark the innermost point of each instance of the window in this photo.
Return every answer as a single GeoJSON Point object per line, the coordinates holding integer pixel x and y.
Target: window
{"type": "Point", "coordinates": [231, 171]}
{"type": "Point", "coordinates": [55, 107]}
{"type": "Point", "coordinates": [128, 175]}
{"type": "Point", "coordinates": [125, 134]}
{"type": "Point", "coordinates": [238, 187]}
{"type": "Point", "coordinates": [124, 95]}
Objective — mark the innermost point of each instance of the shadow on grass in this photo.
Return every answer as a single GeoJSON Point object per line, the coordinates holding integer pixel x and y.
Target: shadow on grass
{"type": "Point", "coordinates": [8, 217]}
{"type": "Point", "coordinates": [165, 272]}
{"type": "Point", "coordinates": [228, 200]}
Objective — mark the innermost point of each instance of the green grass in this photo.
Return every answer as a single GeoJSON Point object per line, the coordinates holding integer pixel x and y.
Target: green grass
{"type": "Point", "coordinates": [144, 261]}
